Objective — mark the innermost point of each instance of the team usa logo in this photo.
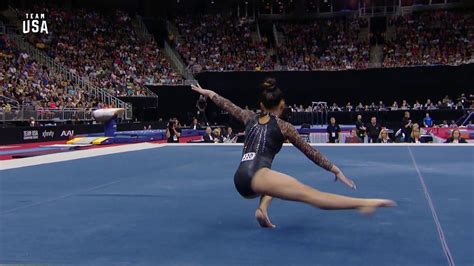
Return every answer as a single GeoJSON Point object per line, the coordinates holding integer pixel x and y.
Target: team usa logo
{"type": "Point", "coordinates": [35, 23]}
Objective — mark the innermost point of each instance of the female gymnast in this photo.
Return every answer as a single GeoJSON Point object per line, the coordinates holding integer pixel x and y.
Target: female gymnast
{"type": "Point", "coordinates": [264, 137]}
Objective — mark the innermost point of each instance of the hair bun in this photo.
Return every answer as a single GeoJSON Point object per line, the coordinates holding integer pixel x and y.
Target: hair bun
{"type": "Point", "coordinates": [269, 84]}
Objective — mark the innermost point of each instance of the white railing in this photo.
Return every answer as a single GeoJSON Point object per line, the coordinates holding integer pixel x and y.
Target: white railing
{"type": "Point", "coordinates": [258, 32]}
{"type": "Point", "coordinates": [178, 63]}
{"type": "Point", "coordinates": [371, 11]}
{"type": "Point", "coordinates": [25, 113]}
{"type": "Point", "coordinates": [275, 35]}
{"type": "Point", "coordinates": [9, 100]}
{"type": "Point", "coordinates": [142, 29]}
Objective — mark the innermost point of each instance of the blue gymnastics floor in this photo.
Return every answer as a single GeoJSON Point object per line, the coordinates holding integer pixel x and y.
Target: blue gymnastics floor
{"type": "Point", "coordinates": [178, 206]}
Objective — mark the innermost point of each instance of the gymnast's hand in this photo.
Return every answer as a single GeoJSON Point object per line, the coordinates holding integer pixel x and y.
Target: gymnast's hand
{"type": "Point", "coordinates": [341, 177]}
{"type": "Point", "coordinates": [199, 89]}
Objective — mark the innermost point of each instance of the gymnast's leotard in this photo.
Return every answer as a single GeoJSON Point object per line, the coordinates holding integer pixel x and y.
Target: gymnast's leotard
{"type": "Point", "coordinates": [262, 143]}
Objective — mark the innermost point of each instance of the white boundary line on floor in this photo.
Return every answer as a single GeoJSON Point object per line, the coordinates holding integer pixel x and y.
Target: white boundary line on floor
{"type": "Point", "coordinates": [442, 238]}
{"type": "Point", "coordinates": [338, 144]}
{"type": "Point", "coordinates": [74, 155]}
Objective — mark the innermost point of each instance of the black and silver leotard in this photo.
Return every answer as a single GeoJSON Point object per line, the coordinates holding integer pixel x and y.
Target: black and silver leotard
{"type": "Point", "coordinates": [262, 143]}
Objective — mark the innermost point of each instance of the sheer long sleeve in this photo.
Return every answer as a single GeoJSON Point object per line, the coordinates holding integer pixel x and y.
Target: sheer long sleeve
{"type": "Point", "coordinates": [290, 133]}
{"type": "Point", "coordinates": [237, 112]}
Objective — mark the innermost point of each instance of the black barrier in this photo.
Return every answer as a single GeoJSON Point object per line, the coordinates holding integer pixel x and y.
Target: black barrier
{"type": "Point", "coordinates": [46, 133]}
{"type": "Point", "coordinates": [366, 86]}
{"type": "Point", "coordinates": [145, 108]}
{"type": "Point", "coordinates": [303, 87]}
{"type": "Point", "coordinates": [14, 135]}
{"type": "Point", "coordinates": [176, 101]}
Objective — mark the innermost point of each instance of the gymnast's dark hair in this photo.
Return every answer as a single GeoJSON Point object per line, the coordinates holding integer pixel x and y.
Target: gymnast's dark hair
{"type": "Point", "coordinates": [271, 95]}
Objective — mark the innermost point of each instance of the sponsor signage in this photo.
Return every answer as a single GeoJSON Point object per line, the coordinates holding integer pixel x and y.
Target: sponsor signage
{"type": "Point", "coordinates": [30, 134]}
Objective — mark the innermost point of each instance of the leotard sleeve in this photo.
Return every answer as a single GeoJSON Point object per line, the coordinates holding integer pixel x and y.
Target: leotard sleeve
{"type": "Point", "coordinates": [237, 112]}
{"type": "Point", "coordinates": [290, 133]}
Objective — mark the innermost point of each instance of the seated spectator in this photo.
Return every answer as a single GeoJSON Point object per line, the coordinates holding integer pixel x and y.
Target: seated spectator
{"type": "Point", "coordinates": [217, 135]}
{"type": "Point", "coordinates": [349, 107]}
{"type": "Point", "coordinates": [229, 136]}
{"type": "Point", "coordinates": [373, 107]}
{"type": "Point", "coordinates": [208, 136]}
{"type": "Point", "coordinates": [195, 125]}
{"type": "Point", "coordinates": [33, 122]}
{"type": "Point", "coordinates": [455, 137]}
{"type": "Point", "coordinates": [415, 136]}
{"type": "Point", "coordinates": [383, 137]}
{"type": "Point", "coordinates": [382, 106]}
{"type": "Point", "coordinates": [429, 105]}
{"type": "Point", "coordinates": [444, 124]}
{"type": "Point", "coordinates": [415, 126]}
{"type": "Point", "coordinates": [405, 105]}
{"type": "Point", "coordinates": [440, 105]}
{"type": "Point", "coordinates": [335, 108]}
{"type": "Point", "coordinates": [453, 124]}
{"type": "Point", "coordinates": [353, 138]}
{"type": "Point", "coordinates": [417, 106]}
{"type": "Point", "coordinates": [394, 106]}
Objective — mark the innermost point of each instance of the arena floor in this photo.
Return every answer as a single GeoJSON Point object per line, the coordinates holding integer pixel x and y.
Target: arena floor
{"type": "Point", "coordinates": [176, 205]}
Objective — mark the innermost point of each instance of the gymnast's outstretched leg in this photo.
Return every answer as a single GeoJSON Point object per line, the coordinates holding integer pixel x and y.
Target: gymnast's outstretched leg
{"type": "Point", "coordinates": [275, 184]}
{"type": "Point", "coordinates": [262, 212]}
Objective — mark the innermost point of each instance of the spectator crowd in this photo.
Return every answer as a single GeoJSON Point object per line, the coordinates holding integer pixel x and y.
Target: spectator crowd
{"type": "Point", "coordinates": [225, 43]}
{"type": "Point", "coordinates": [220, 43]}
{"type": "Point", "coordinates": [25, 82]}
{"type": "Point", "coordinates": [431, 38]}
{"type": "Point", "coordinates": [105, 50]}
{"type": "Point", "coordinates": [325, 44]}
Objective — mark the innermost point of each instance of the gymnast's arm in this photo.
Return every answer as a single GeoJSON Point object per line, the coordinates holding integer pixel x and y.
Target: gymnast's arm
{"type": "Point", "coordinates": [237, 112]}
{"type": "Point", "coordinates": [290, 133]}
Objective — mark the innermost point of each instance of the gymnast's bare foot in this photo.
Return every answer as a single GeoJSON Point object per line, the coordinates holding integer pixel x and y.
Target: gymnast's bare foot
{"type": "Point", "coordinates": [262, 219]}
{"type": "Point", "coordinates": [376, 203]}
